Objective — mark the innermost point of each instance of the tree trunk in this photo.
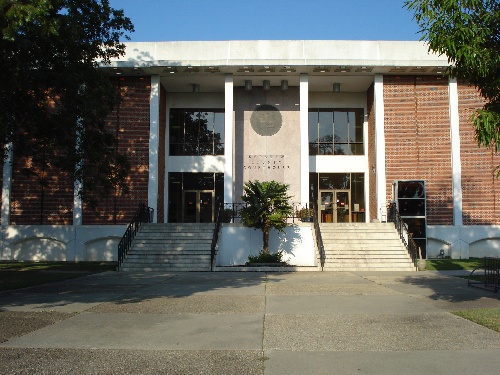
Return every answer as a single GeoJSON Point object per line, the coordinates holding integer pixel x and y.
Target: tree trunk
{"type": "Point", "coordinates": [265, 239]}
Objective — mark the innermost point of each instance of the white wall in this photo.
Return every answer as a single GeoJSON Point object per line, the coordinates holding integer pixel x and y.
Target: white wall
{"type": "Point", "coordinates": [61, 243]}
{"type": "Point", "coordinates": [237, 242]}
{"type": "Point", "coordinates": [463, 242]}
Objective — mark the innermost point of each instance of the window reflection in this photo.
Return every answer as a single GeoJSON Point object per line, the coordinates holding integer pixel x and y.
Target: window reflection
{"type": "Point", "coordinates": [196, 132]}
{"type": "Point", "coordinates": [336, 132]}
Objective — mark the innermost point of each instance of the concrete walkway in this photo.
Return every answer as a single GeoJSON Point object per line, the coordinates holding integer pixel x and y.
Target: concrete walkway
{"type": "Point", "coordinates": [248, 323]}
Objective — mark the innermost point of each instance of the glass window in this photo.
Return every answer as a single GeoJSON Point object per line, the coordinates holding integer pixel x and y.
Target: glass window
{"type": "Point", "coordinates": [336, 132]}
{"type": "Point", "coordinates": [195, 132]}
{"type": "Point", "coordinates": [334, 181]}
{"type": "Point", "coordinates": [325, 133]}
{"type": "Point", "coordinates": [341, 125]}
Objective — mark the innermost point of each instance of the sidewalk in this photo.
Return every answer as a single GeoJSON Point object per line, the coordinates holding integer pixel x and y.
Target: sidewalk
{"type": "Point", "coordinates": [248, 323]}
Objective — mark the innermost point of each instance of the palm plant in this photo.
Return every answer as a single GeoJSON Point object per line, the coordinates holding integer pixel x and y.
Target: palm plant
{"type": "Point", "coordinates": [267, 207]}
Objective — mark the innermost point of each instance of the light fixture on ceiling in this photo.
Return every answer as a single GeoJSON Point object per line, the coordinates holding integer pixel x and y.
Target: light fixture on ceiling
{"type": "Point", "coordinates": [336, 87]}
{"type": "Point", "coordinates": [266, 85]}
{"type": "Point", "coordinates": [196, 87]}
{"type": "Point", "coordinates": [284, 84]}
{"type": "Point", "coordinates": [248, 85]}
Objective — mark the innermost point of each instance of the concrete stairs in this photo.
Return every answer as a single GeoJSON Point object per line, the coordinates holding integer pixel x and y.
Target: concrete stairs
{"type": "Point", "coordinates": [172, 247]}
{"type": "Point", "coordinates": [364, 247]}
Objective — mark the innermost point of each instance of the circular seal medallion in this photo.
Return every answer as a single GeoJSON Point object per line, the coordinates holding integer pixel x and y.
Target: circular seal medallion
{"type": "Point", "coordinates": [266, 120]}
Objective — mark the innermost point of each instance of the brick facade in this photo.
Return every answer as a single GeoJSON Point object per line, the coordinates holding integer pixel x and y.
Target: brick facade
{"type": "Point", "coordinates": [418, 145]}
{"type": "Point", "coordinates": [130, 122]}
{"type": "Point", "coordinates": [480, 187]}
{"type": "Point", "coordinates": [40, 197]}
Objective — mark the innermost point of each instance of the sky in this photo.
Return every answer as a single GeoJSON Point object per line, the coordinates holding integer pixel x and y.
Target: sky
{"type": "Point", "coordinates": [186, 20]}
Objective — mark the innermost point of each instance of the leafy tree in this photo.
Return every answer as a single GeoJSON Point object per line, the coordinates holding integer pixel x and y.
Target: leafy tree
{"type": "Point", "coordinates": [267, 207]}
{"type": "Point", "coordinates": [467, 31]}
{"type": "Point", "coordinates": [53, 98]}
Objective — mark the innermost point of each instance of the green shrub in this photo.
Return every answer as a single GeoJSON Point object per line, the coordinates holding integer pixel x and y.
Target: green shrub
{"type": "Point", "coordinates": [264, 257]}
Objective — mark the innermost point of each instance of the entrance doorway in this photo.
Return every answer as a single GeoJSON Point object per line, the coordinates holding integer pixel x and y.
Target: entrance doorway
{"type": "Point", "coordinates": [334, 206]}
{"type": "Point", "coordinates": [198, 206]}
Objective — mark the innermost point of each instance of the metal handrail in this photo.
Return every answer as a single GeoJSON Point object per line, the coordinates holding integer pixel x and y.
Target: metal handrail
{"type": "Point", "coordinates": [406, 237]}
{"type": "Point", "coordinates": [319, 239]}
{"type": "Point", "coordinates": [215, 237]}
{"type": "Point", "coordinates": [144, 214]}
{"type": "Point", "coordinates": [491, 275]}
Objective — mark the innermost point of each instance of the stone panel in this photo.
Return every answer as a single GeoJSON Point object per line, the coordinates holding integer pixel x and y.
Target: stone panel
{"type": "Point", "coordinates": [272, 152]}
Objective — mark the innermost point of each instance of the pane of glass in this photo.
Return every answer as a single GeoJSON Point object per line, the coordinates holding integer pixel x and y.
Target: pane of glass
{"type": "Point", "coordinates": [206, 207]}
{"type": "Point", "coordinates": [190, 207]}
{"type": "Point", "coordinates": [191, 124]}
{"type": "Point", "coordinates": [219, 126]}
{"type": "Point", "coordinates": [356, 126]}
{"type": "Point", "coordinates": [342, 205]}
{"type": "Point", "coordinates": [411, 207]}
{"type": "Point", "coordinates": [313, 149]}
{"type": "Point", "coordinates": [416, 226]}
{"type": "Point", "coordinates": [219, 133]}
{"type": "Point", "coordinates": [174, 197]}
{"type": "Point", "coordinates": [313, 126]}
{"type": "Point", "coordinates": [340, 181]}
{"type": "Point", "coordinates": [411, 189]}
{"type": "Point", "coordinates": [198, 181]}
{"type": "Point", "coordinates": [342, 149]}
{"type": "Point", "coordinates": [206, 131]}
{"type": "Point", "coordinates": [325, 149]}
{"type": "Point", "coordinates": [358, 191]}
{"type": "Point", "coordinates": [176, 131]}
{"type": "Point", "coordinates": [325, 127]}
{"type": "Point", "coordinates": [341, 127]}
{"type": "Point", "coordinates": [326, 206]}
{"type": "Point", "coordinates": [356, 148]}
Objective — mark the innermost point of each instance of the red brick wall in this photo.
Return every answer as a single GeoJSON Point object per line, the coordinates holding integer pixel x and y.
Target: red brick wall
{"type": "Point", "coordinates": [417, 131]}
{"type": "Point", "coordinates": [372, 194]}
{"type": "Point", "coordinates": [161, 154]}
{"type": "Point", "coordinates": [130, 121]}
{"type": "Point", "coordinates": [480, 187]}
{"type": "Point", "coordinates": [31, 204]}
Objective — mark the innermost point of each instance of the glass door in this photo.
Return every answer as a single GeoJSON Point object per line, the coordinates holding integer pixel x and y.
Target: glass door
{"type": "Point", "coordinates": [341, 206]}
{"type": "Point", "coordinates": [198, 206]}
{"type": "Point", "coordinates": [334, 206]}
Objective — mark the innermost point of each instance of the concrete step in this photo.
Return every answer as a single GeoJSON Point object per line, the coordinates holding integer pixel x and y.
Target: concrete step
{"type": "Point", "coordinates": [365, 269]}
{"type": "Point", "coordinates": [363, 247]}
{"type": "Point", "coordinates": [163, 268]}
{"type": "Point", "coordinates": [366, 256]}
{"type": "Point", "coordinates": [171, 247]}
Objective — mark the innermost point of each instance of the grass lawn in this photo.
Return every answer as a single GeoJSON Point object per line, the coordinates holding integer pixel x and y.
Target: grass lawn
{"type": "Point", "coordinates": [489, 318]}
{"type": "Point", "coordinates": [15, 275]}
{"type": "Point", "coordinates": [453, 264]}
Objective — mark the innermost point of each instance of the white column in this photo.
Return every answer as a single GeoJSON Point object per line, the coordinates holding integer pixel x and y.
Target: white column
{"type": "Point", "coordinates": [456, 163]}
{"type": "Point", "coordinates": [154, 142]}
{"type": "Point", "coordinates": [380, 145]}
{"type": "Point", "coordinates": [7, 186]}
{"type": "Point", "coordinates": [304, 139]}
{"type": "Point", "coordinates": [228, 139]}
